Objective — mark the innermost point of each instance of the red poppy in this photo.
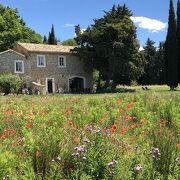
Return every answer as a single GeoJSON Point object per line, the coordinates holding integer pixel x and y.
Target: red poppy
{"type": "Point", "coordinates": [122, 131]}
{"type": "Point", "coordinates": [128, 118]}
{"type": "Point", "coordinates": [101, 120]}
{"type": "Point", "coordinates": [134, 124]}
{"type": "Point", "coordinates": [119, 101]}
{"type": "Point", "coordinates": [8, 120]}
{"type": "Point", "coordinates": [140, 123]}
{"type": "Point", "coordinates": [67, 113]}
{"type": "Point", "coordinates": [28, 125]}
{"type": "Point", "coordinates": [129, 105]}
{"type": "Point", "coordinates": [9, 131]}
{"type": "Point", "coordinates": [70, 123]}
{"type": "Point", "coordinates": [3, 136]}
{"type": "Point", "coordinates": [178, 145]}
{"type": "Point", "coordinates": [113, 128]}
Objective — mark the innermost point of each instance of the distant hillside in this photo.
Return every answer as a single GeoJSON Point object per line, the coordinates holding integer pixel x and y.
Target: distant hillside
{"type": "Point", "coordinates": [13, 29]}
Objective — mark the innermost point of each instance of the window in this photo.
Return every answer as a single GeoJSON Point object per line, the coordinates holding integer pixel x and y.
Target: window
{"type": "Point", "coordinates": [19, 66]}
{"type": "Point", "coordinates": [62, 61]}
{"type": "Point", "coordinates": [41, 61]}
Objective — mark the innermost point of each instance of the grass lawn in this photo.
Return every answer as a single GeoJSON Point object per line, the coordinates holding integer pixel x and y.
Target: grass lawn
{"type": "Point", "coordinates": [97, 136]}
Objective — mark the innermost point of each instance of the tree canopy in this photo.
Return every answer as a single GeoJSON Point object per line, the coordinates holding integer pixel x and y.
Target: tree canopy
{"type": "Point", "coordinates": [69, 42]}
{"type": "Point", "coordinates": [111, 47]}
{"type": "Point", "coordinates": [154, 59]}
{"type": "Point", "coordinates": [14, 29]}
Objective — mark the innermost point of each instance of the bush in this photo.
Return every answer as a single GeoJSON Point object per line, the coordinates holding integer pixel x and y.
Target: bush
{"type": "Point", "coordinates": [10, 83]}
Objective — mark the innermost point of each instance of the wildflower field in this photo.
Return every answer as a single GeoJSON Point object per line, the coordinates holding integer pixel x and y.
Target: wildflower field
{"type": "Point", "coordinates": [82, 137]}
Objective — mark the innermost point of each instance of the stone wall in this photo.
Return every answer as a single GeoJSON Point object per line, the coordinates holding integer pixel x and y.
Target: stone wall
{"type": "Point", "coordinates": [7, 63]}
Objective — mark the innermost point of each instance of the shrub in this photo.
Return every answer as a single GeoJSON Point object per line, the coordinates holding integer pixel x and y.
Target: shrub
{"type": "Point", "coordinates": [10, 83]}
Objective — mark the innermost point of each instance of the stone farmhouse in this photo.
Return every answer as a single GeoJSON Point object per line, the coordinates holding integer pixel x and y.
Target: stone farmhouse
{"type": "Point", "coordinates": [52, 68]}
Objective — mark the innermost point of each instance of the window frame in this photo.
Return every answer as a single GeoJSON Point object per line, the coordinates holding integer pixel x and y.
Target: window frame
{"type": "Point", "coordinates": [19, 61]}
{"type": "Point", "coordinates": [40, 55]}
{"type": "Point", "coordinates": [64, 64]}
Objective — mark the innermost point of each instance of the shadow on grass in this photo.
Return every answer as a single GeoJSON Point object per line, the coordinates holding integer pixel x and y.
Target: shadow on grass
{"type": "Point", "coordinates": [119, 90]}
{"type": "Point", "coordinates": [166, 90]}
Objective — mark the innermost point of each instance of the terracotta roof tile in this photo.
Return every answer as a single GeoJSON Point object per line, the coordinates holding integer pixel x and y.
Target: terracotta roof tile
{"type": "Point", "coordinates": [46, 48]}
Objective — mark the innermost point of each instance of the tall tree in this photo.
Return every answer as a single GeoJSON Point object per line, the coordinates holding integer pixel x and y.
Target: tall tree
{"type": "Point", "coordinates": [171, 51]}
{"type": "Point", "coordinates": [178, 39]}
{"type": "Point", "coordinates": [159, 66]}
{"type": "Point", "coordinates": [45, 41]}
{"type": "Point", "coordinates": [13, 29]}
{"type": "Point", "coordinates": [52, 38]}
{"type": "Point", "coordinates": [149, 76]}
{"type": "Point", "coordinates": [110, 46]}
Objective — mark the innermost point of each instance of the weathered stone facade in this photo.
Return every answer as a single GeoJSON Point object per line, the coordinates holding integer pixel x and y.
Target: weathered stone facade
{"type": "Point", "coordinates": [7, 62]}
{"type": "Point", "coordinates": [52, 74]}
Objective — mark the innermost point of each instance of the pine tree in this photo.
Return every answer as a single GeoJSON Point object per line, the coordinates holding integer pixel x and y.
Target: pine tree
{"type": "Point", "coordinates": [111, 47]}
{"type": "Point", "coordinates": [160, 63]}
{"type": "Point", "coordinates": [171, 51]}
{"type": "Point", "coordinates": [52, 38]}
{"type": "Point", "coordinates": [149, 76]}
{"type": "Point", "coordinates": [178, 39]}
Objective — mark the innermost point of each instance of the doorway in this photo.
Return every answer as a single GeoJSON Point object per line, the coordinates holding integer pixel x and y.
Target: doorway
{"type": "Point", "coordinates": [50, 84]}
{"type": "Point", "coordinates": [76, 85]}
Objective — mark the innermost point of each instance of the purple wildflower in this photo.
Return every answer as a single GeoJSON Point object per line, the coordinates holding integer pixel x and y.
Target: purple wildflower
{"type": "Point", "coordinates": [99, 130]}
{"type": "Point", "coordinates": [84, 158]}
{"type": "Point", "coordinates": [137, 168]}
{"type": "Point", "coordinates": [79, 148]}
{"type": "Point", "coordinates": [178, 160]}
{"type": "Point", "coordinates": [76, 155]}
{"type": "Point", "coordinates": [155, 153]}
{"type": "Point", "coordinates": [112, 164]}
{"type": "Point", "coordinates": [111, 174]}
{"type": "Point", "coordinates": [90, 129]}
{"type": "Point", "coordinates": [107, 132]}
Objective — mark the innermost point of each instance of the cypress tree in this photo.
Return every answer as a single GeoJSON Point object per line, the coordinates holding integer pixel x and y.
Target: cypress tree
{"type": "Point", "coordinates": [52, 38]}
{"type": "Point", "coordinates": [171, 51]}
{"type": "Point", "coordinates": [178, 39]}
{"type": "Point", "coordinates": [45, 41]}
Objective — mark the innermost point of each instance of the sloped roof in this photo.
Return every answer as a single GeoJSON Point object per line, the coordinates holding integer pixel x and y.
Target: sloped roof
{"type": "Point", "coordinates": [46, 48]}
{"type": "Point", "coordinates": [11, 50]}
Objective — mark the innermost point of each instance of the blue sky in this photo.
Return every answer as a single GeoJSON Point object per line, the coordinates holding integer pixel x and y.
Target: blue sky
{"type": "Point", "coordinates": [150, 16]}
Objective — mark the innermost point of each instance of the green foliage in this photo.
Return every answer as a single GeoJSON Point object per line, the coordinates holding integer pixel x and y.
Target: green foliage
{"type": "Point", "coordinates": [171, 51]}
{"type": "Point", "coordinates": [52, 38]}
{"type": "Point", "coordinates": [13, 29]}
{"type": "Point", "coordinates": [110, 46]}
{"type": "Point", "coordinates": [69, 42]}
{"type": "Point", "coordinates": [10, 83]}
{"type": "Point", "coordinates": [154, 60]}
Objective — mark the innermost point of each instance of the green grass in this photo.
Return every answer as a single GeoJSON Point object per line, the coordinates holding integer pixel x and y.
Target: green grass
{"type": "Point", "coordinates": [79, 136]}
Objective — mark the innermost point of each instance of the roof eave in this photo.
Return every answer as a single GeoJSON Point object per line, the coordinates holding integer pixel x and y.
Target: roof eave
{"type": "Point", "coordinates": [11, 50]}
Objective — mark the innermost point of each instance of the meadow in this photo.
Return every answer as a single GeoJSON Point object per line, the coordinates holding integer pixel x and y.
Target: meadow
{"type": "Point", "coordinates": [121, 136]}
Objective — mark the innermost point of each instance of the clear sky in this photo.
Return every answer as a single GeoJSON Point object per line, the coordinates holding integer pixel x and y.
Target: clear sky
{"type": "Point", "coordinates": [150, 16]}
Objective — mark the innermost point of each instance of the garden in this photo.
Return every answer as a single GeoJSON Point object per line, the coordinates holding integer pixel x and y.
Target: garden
{"type": "Point", "coordinates": [119, 136]}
